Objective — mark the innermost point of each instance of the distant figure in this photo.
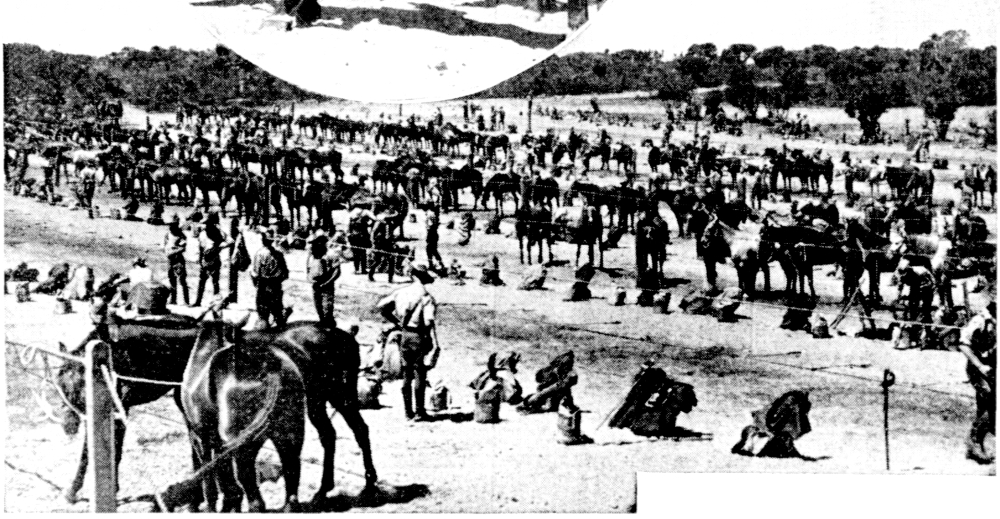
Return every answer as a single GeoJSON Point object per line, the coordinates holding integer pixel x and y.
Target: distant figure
{"type": "Point", "coordinates": [174, 246]}
{"type": "Point", "coordinates": [267, 272]}
{"type": "Point", "coordinates": [323, 270]}
{"type": "Point", "coordinates": [491, 276]}
{"type": "Point", "coordinates": [210, 243]}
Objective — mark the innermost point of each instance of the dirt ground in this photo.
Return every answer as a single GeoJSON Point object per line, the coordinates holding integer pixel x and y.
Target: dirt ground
{"type": "Point", "coordinates": [514, 466]}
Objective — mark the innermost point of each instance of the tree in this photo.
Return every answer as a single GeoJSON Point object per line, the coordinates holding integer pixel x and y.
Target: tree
{"type": "Point", "coordinates": [675, 87]}
{"type": "Point", "coordinates": [742, 91]}
{"type": "Point", "coordinates": [790, 70]}
{"type": "Point", "coordinates": [698, 63]}
{"type": "Point", "coordinates": [934, 85]}
{"type": "Point", "coordinates": [713, 102]}
{"type": "Point", "coordinates": [869, 82]}
{"type": "Point", "coordinates": [741, 77]}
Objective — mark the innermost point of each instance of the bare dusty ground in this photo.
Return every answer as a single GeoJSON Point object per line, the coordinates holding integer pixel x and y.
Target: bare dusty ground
{"type": "Point", "coordinates": [514, 466]}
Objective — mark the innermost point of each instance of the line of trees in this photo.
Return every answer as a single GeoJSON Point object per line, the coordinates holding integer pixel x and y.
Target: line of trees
{"type": "Point", "coordinates": [158, 79]}
{"type": "Point", "coordinates": [943, 74]}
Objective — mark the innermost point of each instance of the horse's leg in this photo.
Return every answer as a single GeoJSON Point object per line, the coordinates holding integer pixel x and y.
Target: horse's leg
{"type": "Point", "coordinates": [81, 472]}
{"type": "Point", "coordinates": [520, 249]}
{"type": "Point", "coordinates": [289, 447]}
{"type": "Point", "coordinates": [316, 409]}
{"type": "Point", "coordinates": [352, 416]}
{"type": "Point", "coordinates": [246, 473]}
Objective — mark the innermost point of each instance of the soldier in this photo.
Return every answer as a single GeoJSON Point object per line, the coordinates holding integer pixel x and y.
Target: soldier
{"type": "Point", "coordinates": [654, 158]}
{"type": "Point", "coordinates": [919, 283]}
{"type": "Point", "coordinates": [412, 309]}
{"type": "Point", "coordinates": [359, 236]}
{"type": "Point", "coordinates": [174, 245]}
{"type": "Point", "coordinates": [323, 269]}
{"type": "Point", "coordinates": [267, 272]}
{"type": "Point", "coordinates": [978, 342]}
{"type": "Point", "coordinates": [239, 258]}
{"type": "Point", "coordinates": [383, 248]}
{"type": "Point", "coordinates": [210, 244]}
{"type": "Point", "coordinates": [433, 222]}
{"type": "Point", "coordinates": [828, 211]}
{"type": "Point", "coordinates": [88, 185]}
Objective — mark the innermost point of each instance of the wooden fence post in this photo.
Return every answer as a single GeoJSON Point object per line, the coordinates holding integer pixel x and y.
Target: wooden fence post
{"type": "Point", "coordinates": [101, 428]}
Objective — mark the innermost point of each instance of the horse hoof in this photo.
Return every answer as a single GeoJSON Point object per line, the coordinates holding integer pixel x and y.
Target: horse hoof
{"type": "Point", "coordinates": [71, 497]}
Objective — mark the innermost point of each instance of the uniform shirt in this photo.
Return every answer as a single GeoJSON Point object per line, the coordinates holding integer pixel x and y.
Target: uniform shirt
{"type": "Point", "coordinates": [360, 219]}
{"type": "Point", "coordinates": [323, 271]}
{"type": "Point", "coordinates": [980, 334]}
{"type": "Point", "coordinates": [210, 250]}
{"type": "Point", "coordinates": [175, 246]}
{"type": "Point", "coordinates": [269, 265]}
{"type": "Point", "coordinates": [916, 277]}
{"type": "Point", "coordinates": [414, 301]}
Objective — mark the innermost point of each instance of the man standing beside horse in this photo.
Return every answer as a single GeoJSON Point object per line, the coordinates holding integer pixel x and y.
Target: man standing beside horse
{"type": "Point", "coordinates": [323, 270]}
{"type": "Point", "coordinates": [267, 272]}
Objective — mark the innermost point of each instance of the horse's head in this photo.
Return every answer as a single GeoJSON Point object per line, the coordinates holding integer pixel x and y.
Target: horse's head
{"type": "Point", "coordinates": [70, 382]}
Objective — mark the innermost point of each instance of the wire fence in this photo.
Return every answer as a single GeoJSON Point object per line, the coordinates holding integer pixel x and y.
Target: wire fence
{"type": "Point", "coordinates": [159, 428]}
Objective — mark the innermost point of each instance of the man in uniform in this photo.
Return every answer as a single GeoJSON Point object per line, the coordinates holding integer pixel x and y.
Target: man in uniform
{"type": "Point", "coordinates": [323, 269]}
{"type": "Point", "coordinates": [359, 236]}
{"type": "Point", "coordinates": [267, 272]}
{"type": "Point", "coordinates": [383, 248]}
{"type": "Point", "coordinates": [654, 158]}
{"type": "Point", "coordinates": [174, 245]}
{"type": "Point", "coordinates": [412, 309]}
{"type": "Point", "coordinates": [978, 342]}
{"type": "Point", "coordinates": [210, 244]}
{"type": "Point", "coordinates": [433, 222]}
{"type": "Point", "coordinates": [919, 283]}
{"type": "Point", "coordinates": [828, 211]}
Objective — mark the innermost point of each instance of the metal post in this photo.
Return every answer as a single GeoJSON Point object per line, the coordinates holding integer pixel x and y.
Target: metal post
{"type": "Point", "coordinates": [101, 428]}
{"type": "Point", "coordinates": [531, 101]}
{"type": "Point", "coordinates": [888, 379]}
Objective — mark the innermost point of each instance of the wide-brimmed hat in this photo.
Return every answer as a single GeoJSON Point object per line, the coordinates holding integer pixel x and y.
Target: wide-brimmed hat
{"type": "Point", "coordinates": [318, 237]}
{"type": "Point", "coordinates": [419, 271]}
{"type": "Point", "coordinates": [139, 262]}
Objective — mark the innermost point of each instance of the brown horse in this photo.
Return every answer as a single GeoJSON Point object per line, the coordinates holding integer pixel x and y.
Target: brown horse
{"type": "Point", "coordinates": [235, 396]}
{"type": "Point", "coordinates": [328, 360]}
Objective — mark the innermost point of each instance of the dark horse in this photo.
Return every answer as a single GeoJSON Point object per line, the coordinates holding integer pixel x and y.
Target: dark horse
{"type": "Point", "coordinates": [534, 226]}
{"type": "Point", "coordinates": [329, 360]}
{"type": "Point", "coordinates": [154, 350]}
{"type": "Point", "coordinates": [159, 349]}
{"type": "Point", "coordinates": [235, 396]}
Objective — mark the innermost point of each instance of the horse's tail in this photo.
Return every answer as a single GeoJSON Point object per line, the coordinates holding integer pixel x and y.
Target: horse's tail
{"type": "Point", "coordinates": [256, 428]}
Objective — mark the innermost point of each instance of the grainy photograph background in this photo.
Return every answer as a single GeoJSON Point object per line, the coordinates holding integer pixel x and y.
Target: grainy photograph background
{"type": "Point", "coordinates": [737, 170]}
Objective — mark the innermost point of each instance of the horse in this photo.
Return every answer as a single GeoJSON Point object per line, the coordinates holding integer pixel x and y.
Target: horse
{"type": "Point", "coordinates": [174, 173]}
{"type": "Point", "coordinates": [909, 180]}
{"type": "Point", "coordinates": [329, 361]}
{"type": "Point", "coordinates": [724, 238]}
{"type": "Point", "coordinates": [453, 180]}
{"type": "Point", "coordinates": [533, 226]}
{"type": "Point", "coordinates": [235, 396]}
{"type": "Point", "coordinates": [651, 239]}
{"type": "Point", "coordinates": [808, 247]}
{"type": "Point", "coordinates": [498, 186]}
{"type": "Point", "coordinates": [581, 225]}
{"type": "Point", "coordinates": [625, 156]}
{"type": "Point", "coordinates": [144, 348]}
